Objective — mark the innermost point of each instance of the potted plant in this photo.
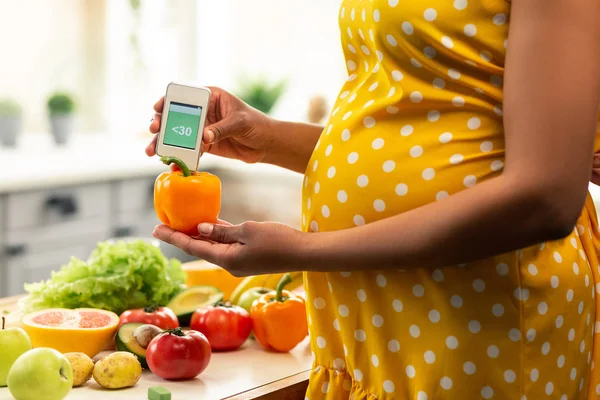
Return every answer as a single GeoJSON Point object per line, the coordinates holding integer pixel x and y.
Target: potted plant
{"type": "Point", "coordinates": [10, 122]}
{"type": "Point", "coordinates": [61, 107]}
{"type": "Point", "coordinates": [262, 95]}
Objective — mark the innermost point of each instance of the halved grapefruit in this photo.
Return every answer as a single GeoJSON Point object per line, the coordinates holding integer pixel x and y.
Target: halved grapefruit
{"type": "Point", "coordinates": [86, 330]}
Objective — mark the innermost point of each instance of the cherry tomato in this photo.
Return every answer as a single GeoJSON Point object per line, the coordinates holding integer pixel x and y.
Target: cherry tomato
{"type": "Point", "coordinates": [163, 317]}
{"type": "Point", "coordinates": [177, 354]}
{"type": "Point", "coordinates": [226, 327]}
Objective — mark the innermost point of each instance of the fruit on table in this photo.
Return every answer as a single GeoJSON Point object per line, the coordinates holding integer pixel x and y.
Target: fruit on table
{"type": "Point", "coordinates": [158, 393]}
{"type": "Point", "coordinates": [145, 333]}
{"type": "Point", "coordinates": [177, 354]}
{"type": "Point", "coordinates": [185, 303]}
{"type": "Point", "coordinates": [163, 317]}
{"type": "Point", "coordinates": [268, 281]}
{"type": "Point", "coordinates": [225, 326]}
{"type": "Point", "coordinates": [248, 297]}
{"type": "Point", "coordinates": [125, 341]}
{"type": "Point", "coordinates": [279, 318]}
{"type": "Point", "coordinates": [118, 370]}
{"type": "Point", "coordinates": [183, 199]}
{"type": "Point", "coordinates": [82, 367]}
{"type": "Point", "coordinates": [13, 342]}
{"type": "Point", "coordinates": [203, 273]}
{"type": "Point", "coordinates": [85, 330]}
{"type": "Point", "coordinates": [41, 373]}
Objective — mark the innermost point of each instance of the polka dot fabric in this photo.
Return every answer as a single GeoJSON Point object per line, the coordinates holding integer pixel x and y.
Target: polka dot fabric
{"type": "Point", "coordinates": [420, 119]}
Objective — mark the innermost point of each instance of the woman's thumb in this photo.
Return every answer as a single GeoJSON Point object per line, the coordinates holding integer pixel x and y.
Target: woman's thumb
{"type": "Point", "coordinates": [220, 233]}
{"type": "Point", "coordinates": [220, 130]}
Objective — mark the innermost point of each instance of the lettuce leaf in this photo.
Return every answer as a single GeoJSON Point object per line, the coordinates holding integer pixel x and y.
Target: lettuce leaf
{"type": "Point", "coordinates": [117, 276]}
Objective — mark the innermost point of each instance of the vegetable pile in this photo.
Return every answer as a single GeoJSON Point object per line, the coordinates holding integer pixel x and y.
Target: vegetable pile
{"type": "Point", "coordinates": [116, 277]}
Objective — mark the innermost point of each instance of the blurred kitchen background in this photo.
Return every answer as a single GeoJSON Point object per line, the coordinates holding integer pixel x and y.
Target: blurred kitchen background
{"type": "Point", "coordinates": [78, 79]}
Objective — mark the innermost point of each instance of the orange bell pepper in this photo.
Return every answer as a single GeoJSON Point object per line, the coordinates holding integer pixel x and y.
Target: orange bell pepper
{"type": "Point", "coordinates": [279, 318]}
{"type": "Point", "coordinates": [183, 199]}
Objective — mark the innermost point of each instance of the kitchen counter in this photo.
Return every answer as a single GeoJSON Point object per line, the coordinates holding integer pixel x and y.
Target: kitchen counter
{"type": "Point", "coordinates": [37, 163]}
{"type": "Point", "coordinates": [248, 373]}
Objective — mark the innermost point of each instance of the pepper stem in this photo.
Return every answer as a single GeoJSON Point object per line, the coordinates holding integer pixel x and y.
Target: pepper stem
{"type": "Point", "coordinates": [3, 321]}
{"type": "Point", "coordinates": [168, 160]}
{"type": "Point", "coordinates": [286, 279]}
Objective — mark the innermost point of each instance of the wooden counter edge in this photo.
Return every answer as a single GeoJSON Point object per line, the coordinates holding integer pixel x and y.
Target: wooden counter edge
{"type": "Point", "coordinates": [292, 387]}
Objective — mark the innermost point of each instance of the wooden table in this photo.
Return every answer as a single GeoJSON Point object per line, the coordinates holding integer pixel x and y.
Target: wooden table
{"type": "Point", "coordinates": [248, 373]}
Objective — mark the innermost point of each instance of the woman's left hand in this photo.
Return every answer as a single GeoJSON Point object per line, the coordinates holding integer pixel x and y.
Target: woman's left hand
{"type": "Point", "coordinates": [250, 248]}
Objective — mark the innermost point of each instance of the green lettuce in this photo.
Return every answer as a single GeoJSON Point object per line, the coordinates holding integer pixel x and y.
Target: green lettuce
{"type": "Point", "coordinates": [117, 276]}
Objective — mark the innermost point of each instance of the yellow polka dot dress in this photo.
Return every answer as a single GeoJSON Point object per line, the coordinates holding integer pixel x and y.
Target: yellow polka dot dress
{"type": "Point", "coordinates": [420, 119]}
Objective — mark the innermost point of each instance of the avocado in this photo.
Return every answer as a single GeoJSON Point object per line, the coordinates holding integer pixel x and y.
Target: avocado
{"type": "Point", "coordinates": [186, 302]}
{"type": "Point", "coordinates": [126, 342]}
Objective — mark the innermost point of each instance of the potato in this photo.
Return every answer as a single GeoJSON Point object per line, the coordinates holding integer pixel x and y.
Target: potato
{"type": "Point", "coordinates": [82, 367]}
{"type": "Point", "coordinates": [118, 370]}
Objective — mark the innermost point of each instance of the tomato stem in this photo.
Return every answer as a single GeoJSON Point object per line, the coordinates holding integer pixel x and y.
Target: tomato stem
{"type": "Point", "coordinates": [175, 332]}
{"type": "Point", "coordinates": [286, 279]}
{"type": "Point", "coordinates": [151, 309]}
{"type": "Point", "coordinates": [168, 160]}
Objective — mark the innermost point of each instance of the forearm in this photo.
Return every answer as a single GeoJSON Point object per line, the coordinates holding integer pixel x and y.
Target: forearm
{"type": "Point", "coordinates": [292, 144]}
{"type": "Point", "coordinates": [477, 223]}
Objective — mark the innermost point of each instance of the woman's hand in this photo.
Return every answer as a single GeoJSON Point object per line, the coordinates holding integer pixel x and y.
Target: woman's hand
{"type": "Point", "coordinates": [596, 170]}
{"type": "Point", "coordinates": [251, 248]}
{"type": "Point", "coordinates": [233, 129]}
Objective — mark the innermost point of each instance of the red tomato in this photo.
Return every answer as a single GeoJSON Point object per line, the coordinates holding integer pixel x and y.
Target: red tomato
{"type": "Point", "coordinates": [177, 354]}
{"type": "Point", "coordinates": [163, 317]}
{"type": "Point", "coordinates": [226, 327]}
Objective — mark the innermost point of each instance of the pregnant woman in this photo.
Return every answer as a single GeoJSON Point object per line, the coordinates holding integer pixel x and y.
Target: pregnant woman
{"type": "Point", "coordinates": [448, 236]}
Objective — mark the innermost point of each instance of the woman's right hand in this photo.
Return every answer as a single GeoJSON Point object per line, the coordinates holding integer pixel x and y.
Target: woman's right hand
{"type": "Point", "coordinates": [233, 129]}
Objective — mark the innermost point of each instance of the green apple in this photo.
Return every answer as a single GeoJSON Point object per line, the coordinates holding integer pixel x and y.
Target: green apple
{"type": "Point", "coordinates": [13, 342]}
{"type": "Point", "coordinates": [41, 373]}
{"type": "Point", "coordinates": [248, 297]}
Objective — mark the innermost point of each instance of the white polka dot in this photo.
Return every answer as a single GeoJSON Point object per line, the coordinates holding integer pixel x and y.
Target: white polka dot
{"type": "Point", "coordinates": [401, 189]}
{"type": "Point", "coordinates": [353, 97]}
{"type": "Point", "coordinates": [573, 374]}
{"type": "Point", "coordinates": [498, 310]}
{"type": "Point", "coordinates": [496, 80]}
{"type": "Point", "coordinates": [375, 360]}
{"type": "Point", "coordinates": [445, 137]}
{"type": "Point", "coordinates": [510, 376]}
{"type": "Point", "coordinates": [407, 28]}
{"type": "Point", "coordinates": [429, 357]}
{"type": "Point", "coordinates": [428, 174]}
{"type": "Point", "coordinates": [414, 331]}
{"type": "Point", "coordinates": [317, 187]}
{"type": "Point", "coordinates": [391, 40]}
{"type": "Point", "coordinates": [429, 52]}
{"type": "Point", "coordinates": [344, 94]}
{"type": "Point", "coordinates": [410, 371]}
{"type": "Point", "coordinates": [446, 383]}
{"type": "Point", "coordinates": [554, 281]}
{"type": "Point", "coordinates": [559, 321]}
{"type": "Point", "coordinates": [308, 203]}
{"type": "Point", "coordinates": [587, 280]}
{"type": "Point", "coordinates": [458, 101]}
{"type": "Point", "coordinates": [319, 303]}
{"type": "Point", "coordinates": [452, 342]}
{"type": "Point", "coordinates": [416, 151]}
{"type": "Point", "coordinates": [314, 226]}
{"type": "Point", "coordinates": [437, 275]}
{"type": "Point", "coordinates": [379, 205]}
{"type": "Point", "coordinates": [397, 75]}
{"type": "Point", "coordinates": [388, 386]}
{"type": "Point", "coordinates": [391, 92]}
{"type": "Point", "coordinates": [514, 335]}
{"type": "Point", "coordinates": [582, 254]}
{"type": "Point", "coordinates": [342, 196]}
{"type": "Point", "coordinates": [415, 63]}
{"type": "Point", "coordinates": [394, 346]}
{"type": "Point", "coordinates": [321, 342]}
{"type": "Point", "coordinates": [376, 15]}
{"type": "Point", "coordinates": [469, 368]}
{"type": "Point", "coordinates": [486, 146]}
{"type": "Point", "coordinates": [470, 30]}
{"type": "Point", "coordinates": [441, 195]}
{"type": "Point", "coordinates": [571, 335]}
{"type": "Point", "coordinates": [315, 165]}
{"type": "Point", "coordinates": [373, 86]}
{"type": "Point", "coordinates": [474, 326]}
{"type": "Point", "coordinates": [325, 387]}
{"type": "Point", "coordinates": [542, 308]}
{"type": "Point", "coordinates": [358, 376]}
{"type": "Point", "coordinates": [496, 165]}
{"type": "Point", "coordinates": [381, 280]}
{"type": "Point", "coordinates": [343, 310]}
{"type": "Point", "coordinates": [392, 109]}
{"type": "Point", "coordinates": [439, 83]}
{"type": "Point", "coordinates": [580, 307]}
{"type": "Point", "coordinates": [447, 42]}
{"type": "Point", "coordinates": [360, 335]}
{"type": "Point", "coordinates": [532, 269]}
{"type": "Point", "coordinates": [576, 268]}
{"type": "Point", "coordinates": [546, 348]}
{"type": "Point", "coordinates": [345, 350]}
{"type": "Point", "coordinates": [406, 130]}
{"type": "Point", "coordinates": [570, 295]}
{"type": "Point", "coordinates": [433, 115]}
{"type": "Point", "coordinates": [331, 172]}
{"type": "Point", "coordinates": [534, 375]}
{"type": "Point", "coordinates": [347, 115]}
{"type": "Point", "coordinates": [474, 123]}
{"type": "Point", "coordinates": [418, 290]}
{"type": "Point", "coordinates": [352, 157]}
{"type": "Point", "coordinates": [377, 320]}
{"type": "Point", "coordinates": [456, 301]}
{"type": "Point", "coordinates": [530, 334]}
{"type": "Point", "coordinates": [549, 388]}
{"type": "Point", "coordinates": [416, 97]}
{"type": "Point", "coordinates": [485, 56]}
{"type": "Point", "coordinates": [358, 220]}
{"type": "Point", "coordinates": [377, 143]}
{"type": "Point", "coordinates": [560, 361]}
{"type": "Point", "coordinates": [499, 19]}
{"type": "Point", "coordinates": [351, 65]}
{"type": "Point", "coordinates": [369, 122]}
{"type": "Point", "coordinates": [397, 305]}
{"type": "Point", "coordinates": [345, 135]}
{"type": "Point", "coordinates": [487, 392]}
{"type": "Point", "coordinates": [521, 294]}
{"type": "Point", "coordinates": [502, 269]}
{"type": "Point", "coordinates": [460, 4]}
{"type": "Point", "coordinates": [338, 363]}
{"type": "Point", "coordinates": [389, 166]}
{"type": "Point", "coordinates": [493, 351]}
{"type": "Point", "coordinates": [478, 285]}
{"type": "Point", "coordinates": [434, 316]}
{"type": "Point", "coordinates": [469, 181]}
{"type": "Point", "coordinates": [336, 324]}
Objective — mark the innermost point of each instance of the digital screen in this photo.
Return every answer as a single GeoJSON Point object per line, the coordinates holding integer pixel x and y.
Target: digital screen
{"type": "Point", "coordinates": [183, 122]}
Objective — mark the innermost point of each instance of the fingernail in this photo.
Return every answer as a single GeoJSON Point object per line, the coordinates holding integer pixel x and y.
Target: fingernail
{"type": "Point", "coordinates": [205, 228]}
{"type": "Point", "coordinates": [210, 135]}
